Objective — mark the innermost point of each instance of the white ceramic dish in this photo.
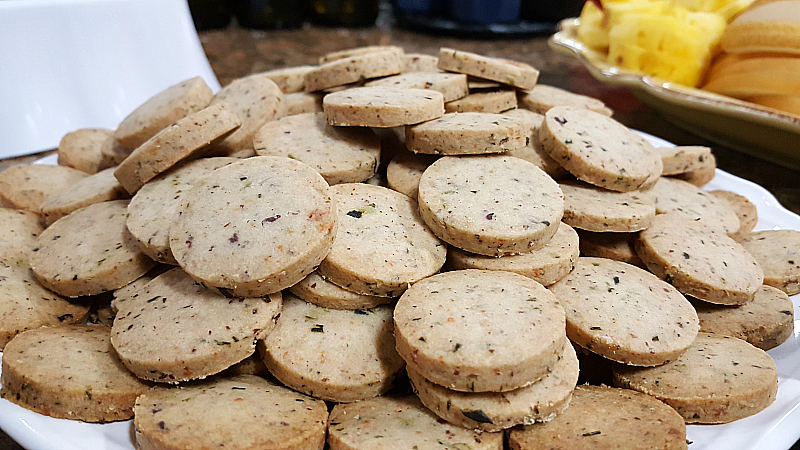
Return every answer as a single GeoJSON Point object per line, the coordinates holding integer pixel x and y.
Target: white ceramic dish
{"type": "Point", "coordinates": [70, 64]}
{"type": "Point", "coordinates": [775, 428]}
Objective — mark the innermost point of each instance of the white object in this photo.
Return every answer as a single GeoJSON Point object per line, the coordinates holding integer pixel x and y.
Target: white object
{"type": "Point", "coordinates": [69, 64]}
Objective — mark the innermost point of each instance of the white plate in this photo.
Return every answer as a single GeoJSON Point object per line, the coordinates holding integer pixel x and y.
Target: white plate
{"type": "Point", "coordinates": [777, 427]}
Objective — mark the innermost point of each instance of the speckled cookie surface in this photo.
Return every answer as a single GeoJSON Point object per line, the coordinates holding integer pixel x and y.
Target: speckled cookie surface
{"type": "Point", "coordinates": [81, 149]}
{"type": "Point", "coordinates": [490, 204]}
{"type": "Point", "coordinates": [248, 412]}
{"type": "Point", "coordinates": [718, 380]}
{"type": "Point", "coordinates": [597, 149]}
{"type": "Point", "coordinates": [682, 159]}
{"type": "Point", "coordinates": [488, 102]}
{"type": "Point", "coordinates": [18, 233]}
{"type": "Point", "coordinates": [336, 355]}
{"type": "Point", "coordinates": [382, 107]}
{"type": "Point", "coordinates": [699, 260]}
{"type": "Point", "coordinates": [616, 246]}
{"type": "Point", "coordinates": [543, 97]}
{"type": "Point", "coordinates": [303, 102]}
{"type": "Point", "coordinates": [673, 196]}
{"type": "Point", "coordinates": [514, 73]}
{"type": "Point", "coordinates": [593, 208]}
{"type": "Point", "coordinates": [545, 265]}
{"type": "Point", "coordinates": [321, 292]}
{"type": "Point", "coordinates": [605, 418]}
{"type": "Point", "coordinates": [89, 252]}
{"type": "Point", "coordinates": [358, 51]}
{"type": "Point", "coordinates": [339, 154]}
{"type": "Point", "coordinates": [382, 245]}
{"type": "Point", "coordinates": [98, 187]}
{"type": "Point", "coordinates": [353, 68]}
{"type": "Point", "coordinates": [257, 226]}
{"type": "Point", "coordinates": [778, 254]}
{"type": "Point", "coordinates": [27, 186]}
{"type": "Point", "coordinates": [405, 170]}
{"type": "Point", "coordinates": [744, 209]}
{"type": "Point", "coordinates": [533, 150]}
{"type": "Point", "coordinates": [496, 411]}
{"type": "Point", "coordinates": [420, 62]}
{"type": "Point", "coordinates": [175, 143]}
{"type": "Point", "coordinates": [452, 86]}
{"type": "Point", "coordinates": [701, 175]}
{"type": "Point", "coordinates": [467, 133]}
{"type": "Point", "coordinates": [289, 79]}
{"type": "Point", "coordinates": [44, 370]}
{"type": "Point", "coordinates": [462, 330]}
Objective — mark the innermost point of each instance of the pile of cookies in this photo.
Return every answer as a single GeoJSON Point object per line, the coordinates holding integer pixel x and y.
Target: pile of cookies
{"type": "Point", "coordinates": [437, 247]}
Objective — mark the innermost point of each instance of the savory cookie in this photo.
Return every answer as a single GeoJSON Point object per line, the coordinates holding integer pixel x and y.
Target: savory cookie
{"type": "Point", "coordinates": [289, 79]}
{"type": "Point", "coordinates": [27, 186]}
{"type": "Point", "coordinates": [744, 209]}
{"type": "Point", "coordinates": [678, 197]}
{"type": "Point", "coordinates": [405, 170]}
{"type": "Point", "coordinates": [111, 153]}
{"type": "Point", "coordinates": [616, 246]}
{"type": "Point", "coordinates": [592, 208]}
{"type": "Point", "coordinates": [255, 227]}
{"type": "Point", "coordinates": [467, 133]}
{"type": "Point", "coordinates": [488, 102]}
{"type": "Point", "coordinates": [682, 159]}
{"type": "Point", "coordinates": [543, 97]}
{"type": "Point", "coordinates": [133, 288]}
{"type": "Point", "coordinates": [625, 313]}
{"type": "Point", "coordinates": [718, 380]}
{"type": "Point", "coordinates": [382, 107]}
{"type": "Point", "coordinates": [514, 73]}
{"type": "Point", "coordinates": [462, 330]}
{"type": "Point", "coordinates": [98, 187]}
{"type": "Point", "coordinates": [18, 233]}
{"type": "Point", "coordinates": [303, 102]}
{"type": "Point", "coordinates": [701, 175]}
{"type": "Point", "coordinates": [533, 150]}
{"type": "Point", "coordinates": [81, 149]}
{"type": "Point", "coordinates": [321, 292]}
{"type": "Point", "coordinates": [778, 254]}
{"type": "Point", "coordinates": [358, 51]}
{"type": "Point", "coordinates": [353, 68]}
{"type": "Point", "coordinates": [452, 86]}
{"type": "Point", "coordinates": [490, 204]}
{"type": "Point", "coordinates": [420, 62]}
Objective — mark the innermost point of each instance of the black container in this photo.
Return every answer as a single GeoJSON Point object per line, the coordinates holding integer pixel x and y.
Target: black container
{"type": "Point", "coordinates": [549, 10]}
{"type": "Point", "coordinates": [270, 14]}
{"type": "Point", "coordinates": [209, 14]}
{"type": "Point", "coordinates": [344, 13]}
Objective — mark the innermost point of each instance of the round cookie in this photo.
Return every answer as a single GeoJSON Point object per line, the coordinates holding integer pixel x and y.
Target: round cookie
{"type": "Point", "coordinates": [89, 252]}
{"type": "Point", "coordinates": [382, 107]}
{"type": "Point", "coordinates": [625, 313]}
{"type": "Point", "coordinates": [247, 412]}
{"type": "Point", "coordinates": [321, 292]}
{"type": "Point", "coordinates": [358, 51]}
{"type": "Point", "coordinates": [133, 288]}
{"type": "Point", "coordinates": [18, 233]}
{"type": "Point", "coordinates": [514, 73]}
{"type": "Point", "coordinates": [303, 102]}
{"type": "Point", "coordinates": [452, 86]}
{"type": "Point", "coordinates": [543, 97]}
{"type": "Point", "coordinates": [490, 204]}
{"type": "Point", "coordinates": [744, 209]}
{"type": "Point", "coordinates": [462, 330]}
{"type": "Point", "coordinates": [400, 422]}
{"type": "Point", "coordinates": [382, 244]}
{"type": "Point", "coordinates": [592, 208]}
{"type": "Point", "coordinates": [339, 154]}
{"type": "Point", "coordinates": [546, 265]}
{"type": "Point", "coordinates": [353, 68]}
{"type": "Point", "coordinates": [533, 151]}
{"type": "Point", "coordinates": [700, 176]}
{"type": "Point", "coordinates": [420, 62]}
{"type": "Point", "coordinates": [467, 133]}
{"type": "Point", "coordinates": [604, 418]}
{"type": "Point", "coordinates": [496, 411]}
{"type": "Point", "coordinates": [255, 227]}
{"type": "Point", "coordinates": [289, 79]}
{"type": "Point", "coordinates": [678, 197]}
{"type": "Point", "coordinates": [205, 331]}
{"type": "Point", "coordinates": [718, 380]}
{"type": "Point", "coordinates": [616, 246]}
{"type": "Point", "coordinates": [81, 149]}
{"type": "Point", "coordinates": [777, 253]}
{"type": "Point", "coordinates": [98, 187]}
{"type": "Point", "coordinates": [27, 186]}
{"type": "Point", "coordinates": [111, 153]}
{"type": "Point", "coordinates": [765, 322]}
{"type": "Point", "coordinates": [699, 260]}
{"type": "Point", "coordinates": [45, 370]}
{"type": "Point", "coordinates": [405, 170]}
{"type": "Point", "coordinates": [488, 102]}
{"type": "Point", "coordinates": [597, 149]}
{"type": "Point", "coordinates": [682, 159]}
{"type": "Point", "coordinates": [335, 355]}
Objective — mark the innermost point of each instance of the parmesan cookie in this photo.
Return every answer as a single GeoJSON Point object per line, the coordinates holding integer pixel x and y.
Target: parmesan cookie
{"type": "Point", "coordinates": [477, 83]}
{"type": "Point", "coordinates": [496, 411]}
{"type": "Point", "coordinates": [335, 355]}
{"type": "Point", "coordinates": [303, 102]}
{"type": "Point", "coordinates": [699, 260]}
{"type": "Point", "coordinates": [45, 370]}
{"type": "Point", "coordinates": [161, 111]}
{"type": "Point", "coordinates": [358, 51]}
{"type": "Point", "coordinates": [382, 107]}
{"type": "Point", "coordinates": [682, 159]}
{"type": "Point", "coordinates": [382, 245]}
{"type": "Point", "coordinates": [703, 174]}
{"type": "Point", "coordinates": [546, 265]}
{"type": "Point", "coordinates": [533, 150]}
{"type": "Point", "coordinates": [133, 288]}
{"type": "Point", "coordinates": [625, 313]}
{"type": "Point", "coordinates": [111, 153]}
{"type": "Point", "coordinates": [81, 149]}
{"type": "Point", "coordinates": [542, 97]}
{"type": "Point", "coordinates": [262, 413]}
{"type": "Point", "coordinates": [354, 68]}
{"type": "Point", "coordinates": [604, 418]}
{"type": "Point", "coordinates": [743, 207]}
{"type": "Point", "coordinates": [400, 422]}
{"type": "Point", "coordinates": [462, 330]}
{"type": "Point", "coordinates": [89, 252]}
{"type": "Point", "coordinates": [718, 380]}
{"type": "Point", "coordinates": [598, 149]}
{"type": "Point", "coordinates": [467, 133]}
{"type": "Point", "coordinates": [592, 208]}
{"type": "Point", "coordinates": [765, 322]}
{"type": "Point", "coordinates": [420, 62]}
{"type": "Point", "coordinates": [321, 292]}
{"type": "Point", "coordinates": [488, 102]}
{"type": "Point", "coordinates": [27, 186]}
{"type": "Point", "coordinates": [153, 209]}
{"type": "Point", "coordinates": [490, 204]}
{"type": "Point", "coordinates": [778, 254]}
{"type": "Point", "coordinates": [257, 226]}
{"type": "Point", "coordinates": [678, 197]}
{"type": "Point", "coordinates": [452, 86]}
{"type": "Point", "coordinates": [207, 332]}
{"type": "Point", "coordinates": [175, 143]}
{"type": "Point", "coordinates": [339, 154]}
{"type": "Point", "coordinates": [18, 233]}
{"type": "Point", "coordinates": [405, 170]}
{"type": "Point", "coordinates": [514, 73]}
{"type": "Point", "coordinates": [289, 79]}
{"type": "Point", "coordinates": [616, 246]}
{"type": "Point", "coordinates": [99, 187]}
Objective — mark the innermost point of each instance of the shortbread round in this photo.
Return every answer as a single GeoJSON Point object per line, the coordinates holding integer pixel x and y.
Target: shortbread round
{"type": "Point", "coordinates": [133, 288]}
{"type": "Point", "coordinates": [382, 107]}
{"type": "Point", "coordinates": [18, 233]}
{"type": "Point", "coordinates": [682, 159]}
{"type": "Point", "coordinates": [175, 143]}
{"type": "Point", "coordinates": [289, 79]}
{"type": "Point", "coordinates": [488, 102]}
{"type": "Point", "coordinates": [89, 252]}
{"type": "Point", "coordinates": [111, 153]}
{"type": "Point", "coordinates": [463, 330]}
{"type": "Point", "coordinates": [303, 102]}
{"type": "Point", "coordinates": [597, 149]}
{"type": "Point", "coordinates": [678, 197]}
{"type": "Point", "coordinates": [405, 170]}
{"type": "Point", "coordinates": [339, 154]}
{"type": "Point", "coordinates": [335, 355]}
{"type": "Point", "coordinates": [701, 175]}
{"type": "Point", "coordinates": [514, 73]}
{"type": "Point", "coordinates": [82, 149]}
{"type": "Point", "coordinates": [778, 254]}
{"type": "Point", "coordinates": [718, 380]}
{"type": "Point", "coordinates": [255, 227]}
{"type": "Point", "coordinates": [625, 313]}
{"type": "Point", "coordinates": [234, 412]}
{"type": "Point", "coordinates": [699, 260]}
{"type": "Point", "coordinates": [98, 187]}
{"type": "Point", "coordinates": [543, 97]}
{"type": "Point", "coordinates": [467, 133]}
{"type": "Point", "coordinates": [354, 68]}
{"type": "Point", "coordinates": [452, 86]}
{"type": "Point", "coordinates": [496, 411]}
{"type": "Point", "coordinates": [321, 292]}
{"type": "Point", "coordinates": [546, 265]}
{"type": "Point", "coordinates": [206, 332]}
{"type": "Point", "coordinates": [27, 186]}
{"type": "Point", "coordinates": [47, 371]}
{"type": "Point", "coordinates": [533, 150]}
{"type": "Point", "coordinates": [420, 62]}
{"type": "Point", "coordinates": [589, 207]}
{"type": "Point", "coordinates": [606, 418]}
{"type": "Point", "coordinates": [358, 51]}
{"type": "Point", "coordinates": [616, 246]}
{"type": "Point", "coordinates": [490, 204]}
{"type": "Point", "coordinates": [744, 209]}
{"type": "Point", "coordinates": [382, 244]}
